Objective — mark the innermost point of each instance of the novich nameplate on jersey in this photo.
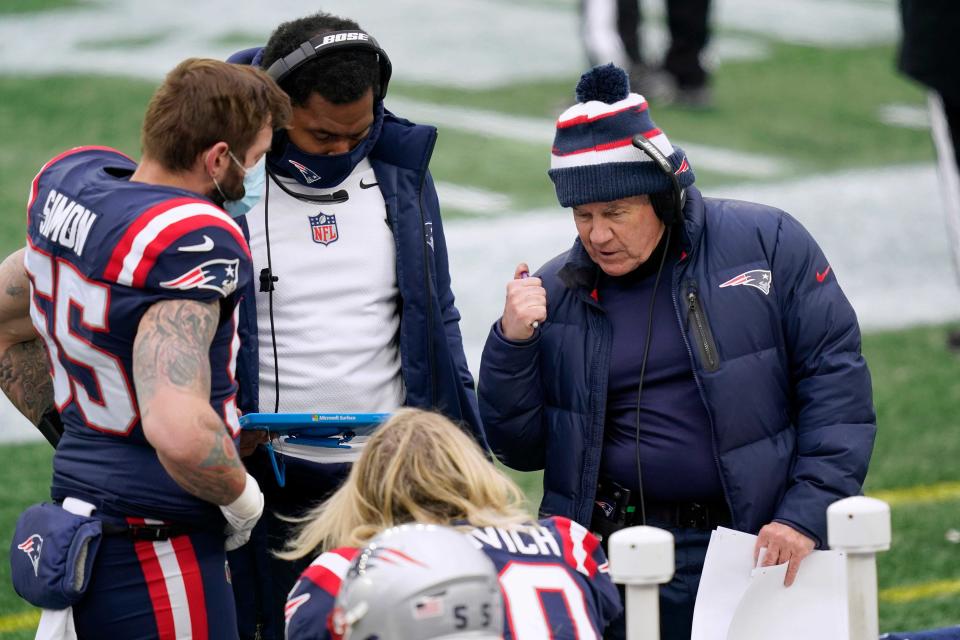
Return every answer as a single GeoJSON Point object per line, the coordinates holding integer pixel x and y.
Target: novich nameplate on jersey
{"type": "Point", "coordinates": [219, 275]}
{"type": "Point", "coordinates": [324, 228]}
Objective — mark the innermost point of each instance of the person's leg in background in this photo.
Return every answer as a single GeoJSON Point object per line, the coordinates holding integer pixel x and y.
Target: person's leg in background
{"type": "Point", "coordinates": [951, 111]}
{"type": "Point", "coordinates": [945, 129]}
{"type": "Point", "coordinates": [610, 31]}
{"type": "Point", "coordinates": [646, 79]}
{"type": "Point", "coordinates": [678, 597]}
{"type": "Point", "coordinates": [689, 25]}
{"type": "Point", "coordinates": [253, 587]}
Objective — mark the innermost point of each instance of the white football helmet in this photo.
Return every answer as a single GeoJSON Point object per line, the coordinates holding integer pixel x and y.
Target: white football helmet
{"type": "Point", "coordinates": [419, 582]}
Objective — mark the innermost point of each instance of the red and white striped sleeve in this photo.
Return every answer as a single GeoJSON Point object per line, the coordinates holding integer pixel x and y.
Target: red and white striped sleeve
{"type": "Point", "coordinates": [311, 601]}
{"type": "Point", "coordinates": [182, 247]}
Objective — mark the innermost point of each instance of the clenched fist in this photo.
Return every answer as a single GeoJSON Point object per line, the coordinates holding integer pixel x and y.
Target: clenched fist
{"type": "Point", "coordinates": [526, 306]}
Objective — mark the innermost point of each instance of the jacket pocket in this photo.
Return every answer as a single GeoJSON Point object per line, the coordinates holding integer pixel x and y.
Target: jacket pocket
{"type": "Point", "coordinates": [700, 328]}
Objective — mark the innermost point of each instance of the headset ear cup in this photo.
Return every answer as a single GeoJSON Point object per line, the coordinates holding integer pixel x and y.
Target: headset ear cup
{"type": "Point", "coordinates": [663, 206]}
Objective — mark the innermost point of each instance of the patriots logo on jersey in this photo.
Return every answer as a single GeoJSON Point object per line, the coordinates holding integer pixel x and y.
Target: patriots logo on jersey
{"type": "Point", "coordinates": [757, 278]}
{"type": "Point", "coordinates": [324, 228]}
{"type": "Point", "coordinates": [32, 546]}
{"type": "Point", "coordinates": [219, 275]}
{"type": "Point", "coordinates": [308, 174]}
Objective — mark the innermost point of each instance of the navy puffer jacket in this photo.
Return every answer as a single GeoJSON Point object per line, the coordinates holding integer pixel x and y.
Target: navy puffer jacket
{"type": "Point", "coordinates": [780, 372]}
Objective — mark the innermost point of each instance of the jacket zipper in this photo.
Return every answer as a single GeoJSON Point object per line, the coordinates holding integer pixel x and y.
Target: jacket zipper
{"type": "Point", "coordinates": [703, 398]}
{"type": "Point", "coordinates": [427, 283]}
{"type": "Point", "coordinates": [598, 385]}
{"type": "Point", "coordinates": [708, 349]}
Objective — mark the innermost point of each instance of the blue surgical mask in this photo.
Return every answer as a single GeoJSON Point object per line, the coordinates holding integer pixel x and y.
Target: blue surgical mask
{"type": "Point", "coordinates": [253, 180]}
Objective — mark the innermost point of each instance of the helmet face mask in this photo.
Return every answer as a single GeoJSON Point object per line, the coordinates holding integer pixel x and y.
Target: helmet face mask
{"type": "Point", "coordinates": [419, 582]}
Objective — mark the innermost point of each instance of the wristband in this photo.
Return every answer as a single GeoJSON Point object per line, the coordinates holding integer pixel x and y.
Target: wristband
{"type": "Point", "coordinates": [249, 502]}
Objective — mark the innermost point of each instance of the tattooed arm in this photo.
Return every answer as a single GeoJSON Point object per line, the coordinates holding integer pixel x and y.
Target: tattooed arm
{"type": "Point", "coordinates": [24, 367]}
{"type": "Point", "coordinates": [171, 373]}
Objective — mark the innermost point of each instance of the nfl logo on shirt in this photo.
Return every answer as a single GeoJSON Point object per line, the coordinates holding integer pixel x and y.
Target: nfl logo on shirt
{"type": "Point", "coordinates": [324, 228]}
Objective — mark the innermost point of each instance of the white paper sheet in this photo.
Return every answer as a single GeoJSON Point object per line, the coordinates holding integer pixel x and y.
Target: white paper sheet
{"type": "Point", "coordinates": [736, 602]}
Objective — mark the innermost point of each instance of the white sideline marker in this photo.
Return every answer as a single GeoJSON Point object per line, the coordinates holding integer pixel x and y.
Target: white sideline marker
{"type": "Point", "coordinates": [641, 559]}
{"type": "Point", "coordinates": [860, 527]}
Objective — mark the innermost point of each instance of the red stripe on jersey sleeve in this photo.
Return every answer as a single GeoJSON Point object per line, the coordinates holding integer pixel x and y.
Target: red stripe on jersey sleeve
{"type": "Point", "coordinates": [326, 579]}
{"type": "Point", "coordinates": [173, 233]}
{"type": "Point", "coordinates": [585, 547]}
{"type": "Point", "coordinates": [115, 266]}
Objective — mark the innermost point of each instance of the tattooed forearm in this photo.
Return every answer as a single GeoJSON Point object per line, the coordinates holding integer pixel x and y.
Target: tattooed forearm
{"type": "Point", "coordinates": [173, 346]}
{"type": "Point", "coordinates": [16, 290]}
{"type": "Point", "coordinates": [25, 378]}
{"type": "Point", "coordinates": [219, 478]}
{"type": "Point", "coordinates": [171, 371]}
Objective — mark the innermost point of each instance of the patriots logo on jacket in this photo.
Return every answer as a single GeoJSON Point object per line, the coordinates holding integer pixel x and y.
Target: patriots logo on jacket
{"type": "Point", "coordinates": [32, 546]}
{"type": "Point", "coordinates": [324, 228]}
{"type": "Point", "coordinates": [757, 278]}
{"type": "Point", "coordinates": [219, 275]}
{"type": "Point", "coordinates": [308, 174]}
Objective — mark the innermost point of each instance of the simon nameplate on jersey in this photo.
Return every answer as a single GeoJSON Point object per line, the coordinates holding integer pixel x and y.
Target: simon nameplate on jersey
{"type": "Point", "coordinates": [66, 221]}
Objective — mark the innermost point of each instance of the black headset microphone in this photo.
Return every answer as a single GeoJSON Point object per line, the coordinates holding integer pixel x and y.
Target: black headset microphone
{"type": "Point", "coordinates": [319, 45]}
{"type": "Point", "coordinates": [669, 208]}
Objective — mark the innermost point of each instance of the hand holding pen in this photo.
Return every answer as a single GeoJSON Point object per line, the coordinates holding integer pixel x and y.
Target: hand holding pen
{"type": "Point", "coordinates": [526, 305]}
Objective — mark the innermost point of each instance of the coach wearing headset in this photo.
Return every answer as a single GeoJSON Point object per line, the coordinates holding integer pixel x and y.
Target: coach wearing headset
{"type": "Point", "coordinates": [353, 310]}
{"type": "Point", "coordinates": [689, 362]}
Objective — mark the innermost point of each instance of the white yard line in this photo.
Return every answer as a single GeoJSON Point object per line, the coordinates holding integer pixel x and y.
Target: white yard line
{"type": "Point", "coordinates": [909, 116]}
{"type": "Point", "coordinates": [540, 131]}
{"type": "Point", "coordinates": [472, 199]}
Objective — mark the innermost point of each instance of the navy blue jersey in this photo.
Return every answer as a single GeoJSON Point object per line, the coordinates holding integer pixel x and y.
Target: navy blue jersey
{"type": "Point", "coordinates": [553, 576]}
{"type": "Point", "coordinates": [100, 251]}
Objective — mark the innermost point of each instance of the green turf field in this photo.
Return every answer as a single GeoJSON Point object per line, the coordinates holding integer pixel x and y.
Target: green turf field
{"type": "Point", "coordinates": [812, 107]}
{"type": "Point", "coordinates": [31, 6]}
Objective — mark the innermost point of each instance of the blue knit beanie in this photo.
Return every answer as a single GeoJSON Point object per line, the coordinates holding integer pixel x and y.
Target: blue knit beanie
{"type": "Point", "coordinates": [593, 157]}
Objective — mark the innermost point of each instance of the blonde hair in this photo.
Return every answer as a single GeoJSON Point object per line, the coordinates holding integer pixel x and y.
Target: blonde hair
{"type": "Point", "coordinates": [417, 467]}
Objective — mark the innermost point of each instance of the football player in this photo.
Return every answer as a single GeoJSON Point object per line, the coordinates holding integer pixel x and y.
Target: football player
{"type": "Point", "coordinates": [129, 279]}
{"type": "Point", "coordinates": [419, 582]}
{"type": "Point", "coordinates": [553, 574]}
